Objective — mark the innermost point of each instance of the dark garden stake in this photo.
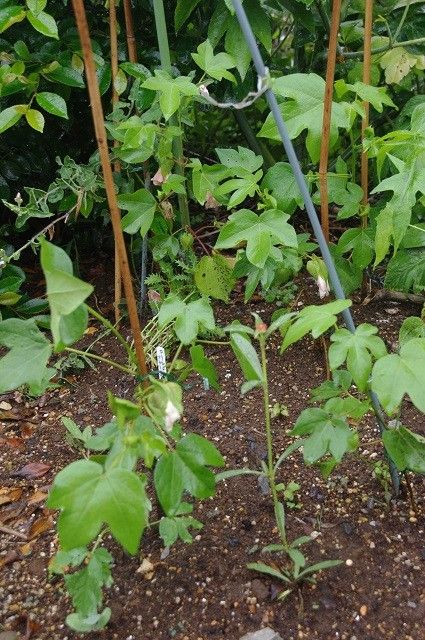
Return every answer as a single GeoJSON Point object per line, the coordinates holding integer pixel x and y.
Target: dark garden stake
{"type": "Point", "coordinates": [262, 73]}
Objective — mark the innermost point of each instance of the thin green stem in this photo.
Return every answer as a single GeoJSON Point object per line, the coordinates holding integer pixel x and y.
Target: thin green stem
{"type": "Point", "coordinates": [393, 45]}
{"type": "Point", "coordinates": [176, 355]}
{"type": "Point", "coordinates": [114, 331]}
{"type": "Point", "coordinates": [214, 342]}
{"type": "Point", "coordinates": [18, 252]}
{"type": "Point", "coordinates": [402, 20]}
{"type": "Point", "coordinates": [269, 434]}
{"type": "Point", "coordinates": [93, 356]}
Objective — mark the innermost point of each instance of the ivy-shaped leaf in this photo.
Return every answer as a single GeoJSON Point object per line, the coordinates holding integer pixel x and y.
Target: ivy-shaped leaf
{"type": "Point", "coordinates": [171, 90]}
{"type": "Point", "coordinates": [357, 350]}
{"type": "Point", "coordinates": [406, 271]}
{"type": "Point", "coordinates": [29, 352]}
{"type": "Point", "coordinates": [141, 206]}
{"type": "Point", "coordinates": [405, 448]}
{"type": "Point", "coordinates": [398, 374]}
{"type": "Point", "coordinates": [215, 66]}
{"type": "Point", "coordinates": [89, 496]}
{"type": "Point", "coordinates": [260, 233]}
{"type": "Point", "coordinates": [327, 434]}
{"type": "Point", "coordinates": [304, 110]}
{"type": "Point", "coordinates": [316, 319]}
{"type": "Point", "coordinates": [360, 243]}
{"type": "Point", "coordinates": [190, 318]}
{"type": "Point", "coordinates": [214, 277]}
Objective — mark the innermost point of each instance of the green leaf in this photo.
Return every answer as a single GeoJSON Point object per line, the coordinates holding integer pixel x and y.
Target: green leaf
{"type": "Point", "coordinates": [261, 567]}
{"type": "Point", "coordinates": [319, 566]}
{"type": "Point", "coordinates": [29, 352]}
{"type": "Point", "coordinates": [213, 277]}
{"type": "Point", "coordinates": [376, 96]}
{"type": "Point", "coordinates": [248, 360]}
{"type": "Point", "coordinates": [44, 23]}
{"type": "Point", "coordinates": [204, 366]}
{"type": "Point", "coordinates": [35, 6]}
{"type": "Point", "coordinates": [280, 181]}
{"type": "Point", "coordinates": [360, 243]}
{"type": "Point", "coordinates": [171, 90]}
{"type": "Point", "coordinates": [357, 350]}
{"type": "Point", "coordinates": [141, 206]}
{"type": "Point", "coordinates": [304, 110]}
{"type": "Point", "coordinates": [190, 318]}
{"type": "Point", "coordinates": [327, 434]}
{"type": "Point", "coordinates": [66, 75]}
{"type": "Point", "coordinates": [412, 327]}
{"type": "Point", "coordinates": [243, 158]}
{"type": "Point", "coordinates": [397, 374]}
{"type": "Point", "coordinates": [11, 15]}
{"type": "Point", "coordinates": [35, 119]}
{"type": "Point", "coordinates": [85, 586]}
{"type": "Point", "coordinates": [260, 233]}
{"type": "Point", "coordinates": [10, 116]}
{"type": "Point", "coordinates": [52, 103]}
{"type": "Point", "coordinates": [406, 271]}
{"type": "Point", "coordinates": [185, 469]}
{"type": "Point", "coordinates": [184, 9]}
{"type": "Point", "coordinates": [89, 496]}
{"type": "Point", "coordinates": [65, 294]}
{"type": "Point", "coordinates": [316, 319]}
{"type": "Point", "coordinates": [405, 448]}
{"type": "Point", "coordinates": [215, 66]}
{"type": "Point", "coordinates": [94, 622]}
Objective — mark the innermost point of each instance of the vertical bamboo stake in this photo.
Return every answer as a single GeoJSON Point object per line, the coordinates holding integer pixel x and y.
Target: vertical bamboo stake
{"type": "Point", "coordinates": [366, 79]}
{"type": "Point", "coordinates": [327, 115]}
{"type": "Point", "coordinates": [164, 52]}
{"type": "Point", "coordinates": [129, 29]}
{"type": "Point", "coordinates": [117, 165]}
{"type": "Point", "coordinates": [99, 126]}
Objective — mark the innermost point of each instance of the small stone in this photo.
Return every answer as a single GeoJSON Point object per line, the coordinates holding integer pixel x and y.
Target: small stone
{"type": "Point", "coordinates": [412, 605]}
{"type": "Point", "coordinates": [262, 634]}
{"type": "Point", "coordinates": [363, 610]}
{"type": "Point", "coordinates": [349, 562]}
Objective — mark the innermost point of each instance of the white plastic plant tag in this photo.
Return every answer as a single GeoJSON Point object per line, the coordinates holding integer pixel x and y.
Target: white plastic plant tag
{"type": "Point", "coordinates": [162, 363]}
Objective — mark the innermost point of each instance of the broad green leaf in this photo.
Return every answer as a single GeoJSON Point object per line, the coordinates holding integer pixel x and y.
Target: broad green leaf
{"type": "Point", "coordinates": [204, 366]}
{"type": "Point", "coordinates": [170, 529]}
{"type": "Point", "coordinates": [327, 434]}
{"type": "Point", "coordinates": [88, 496]}
{"type": "Point", "coordinates": [215, 66]}
{"type": "Point", "coordinates": [213, 277]}
{"type": "Point", "coordinates": [357, 350]}
{"type": "Point", "coordinates": [397, 63]}
{"type": "Point", "coordinates": [316, 319]}
{"type": "Point", "coordinates": [406, 271]}
{"type": "Point", "coordinates": [65, 294]}
{"type": "Point", "coordinates": [280, 181]}
{"type": "Point", "coordinates": [120, 82]}
{"type": "Point", "coordinates": [190, 318]}
{"type": "Point", "coordinates": [52, 103]}
{"type": "Point", "coordinates": [141, 206]}
{"type": "Point", "coordinates": [236, 46]}
{"type": "Point", "coordinates": [35, 6]}
{"type": "Point", "coordinates": [376, 96]}
{"type": "Point", "coordinates": [94, 622]}
{"type": "Point", "coordinates": [11, 115]}
{"type": "Point", "coordinates": [304, 110]}
{"type": "Point", "coordinates": [398, 374]}
{"type": "Point", "coordinates": [405, 448]}
{"type": "Point", "coordinates": [185, 469]}
{"type": "Point", "coordinates": [260, 233]}
{"type": "Point", "coordinates": [66, 75]}
{"type": "Point", "coordinates": [11, 15]}
{"type": "Point", "coordinates": [360, 243]}
{"type": "Point", "coordinates": [243, 158]}
{"type": "Point", "coordinates": [35, 119]}
{"type": "Point", "coordinates": [183, 11]}
{"type": "Point", "coordinates": [85, 586]}
{"type": "Point", "coordinates": [412, 327]}
{"type": "Point", "coordinates": [44, 23]}
{"type": "Point", "coordinates": [29, 351]}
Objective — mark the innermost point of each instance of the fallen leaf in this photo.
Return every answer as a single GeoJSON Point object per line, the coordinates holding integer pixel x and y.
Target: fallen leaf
{"type": "Point", "coordinates": [90, 331]}
{"type": "Point", "coordinates": [40, 526]}
{"type": "Point", "coordinates": [9, 416]}
{"type": "Point", "coordinates": [32, 627]}
{"type": "Point", "coordinates": [15, 443]}
{"type": "Point", "coordinates": [37, 496]}
{"type": "Point", "coordinates": [146, 569]}
{"type": "Point", "coordinates": [10, 556]}
{"type": "Point", "coordinates": [26, 549]}
{"type": "Point", "coordinates": [5, 406]}
{"type": "Point", "coordinates": [27, 429]}
{"type": "Point", "coordinates": [9, 494]}
{"type": "Point", "coordinates": [32, 470]}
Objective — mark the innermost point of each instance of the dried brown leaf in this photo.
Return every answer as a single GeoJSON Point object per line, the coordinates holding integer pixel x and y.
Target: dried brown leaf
{"type": "Point", "coordinates": [9, 494]}
{"type": "Point", "coordinates": [32, 470]}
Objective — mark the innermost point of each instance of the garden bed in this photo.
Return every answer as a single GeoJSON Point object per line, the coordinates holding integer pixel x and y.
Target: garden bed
{"type": "Point", "coordinates": [204, 590]}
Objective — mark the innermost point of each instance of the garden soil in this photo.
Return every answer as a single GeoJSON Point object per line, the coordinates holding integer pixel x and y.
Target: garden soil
{"type": "Point", "coordinates": [204, 591]}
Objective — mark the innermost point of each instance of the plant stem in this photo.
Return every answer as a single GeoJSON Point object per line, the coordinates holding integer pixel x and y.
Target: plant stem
{"type": "Point", "coordinates": [402, 20]}
{"type": "Point", "coordinates": [164, 52]}
{"type": "Point", "coordinates": [214, 342]}
{"type": "Point", "coordinates": [269, 434]}
{"type": "Point", "coordinates": [392, 45]}
{"type": "Point", "coordinates": [113, 330]}
{"type": "Point", "coordinates": [176, 355]}
{"type": "Point", "coordinates": [93, 356]}
{"type": "Point", "coordinates": [17, 253]}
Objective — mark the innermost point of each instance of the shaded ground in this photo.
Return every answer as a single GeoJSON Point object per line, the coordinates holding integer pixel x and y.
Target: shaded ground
{"type": "Point", "coordinates": [204, 590]}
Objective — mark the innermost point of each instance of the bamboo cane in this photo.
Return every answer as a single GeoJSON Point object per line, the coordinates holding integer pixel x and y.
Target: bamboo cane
{"type": "Point", "coordinates": [129, 30]}
{"type": "Point", "coordinates": [366, 79]}
{"type": "Point", "coordinates": [117, 164]}
{"type": "Point", "coordinates": [327, 115]}
{"type": "Point", "coordinates": [99, 126]}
